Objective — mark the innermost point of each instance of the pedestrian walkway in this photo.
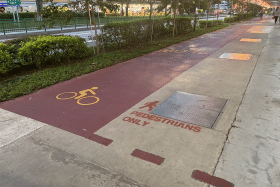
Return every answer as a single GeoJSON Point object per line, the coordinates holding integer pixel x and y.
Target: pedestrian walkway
{"type": "Point", "coordinates": [202, 112]}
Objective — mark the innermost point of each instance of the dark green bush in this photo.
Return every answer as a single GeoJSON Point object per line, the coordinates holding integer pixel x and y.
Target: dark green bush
{"type": "Point", "coordinates": [14, 44]}
{"type": "Point", "coordinates": [101, 14]}
{"type": "Point", "coordinates": [139, 31]}
{"type": "Point", "coordinates": [27, 15]}
{"type": "Point", "coordinates": [7, 62]}
{"type": "Point", "coordinates": [202, 23]}
{"type": "Point", "coordinates": [229, 19]}
{"type": "Point", "coordinates": [48, 50]}
{"type": "Point", "coordinates": [211, 23]}
{"type": "Point", "coordinates": [113, 14]}
{"type": "Point", "coordinates": [22, 15]}
{"type": "Point", "coordinates": [215, 22]}
{"type": "Point", "coordinates": [80, 15]}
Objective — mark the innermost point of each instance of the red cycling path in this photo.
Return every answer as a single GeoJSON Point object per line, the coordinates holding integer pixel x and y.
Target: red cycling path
{"type": "Point", "coordinates": [120, 86]}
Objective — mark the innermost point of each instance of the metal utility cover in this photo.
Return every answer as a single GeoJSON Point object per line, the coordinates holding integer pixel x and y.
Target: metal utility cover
{"type": "Point", "coordinates": [236, 56]}
{"type": "Point", "coordinates": [191, 108]}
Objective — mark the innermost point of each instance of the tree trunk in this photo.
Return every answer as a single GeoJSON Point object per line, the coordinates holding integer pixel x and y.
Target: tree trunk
{"type": "Point", "coordinates": [95, 28]}
{"type": "Point", "coordinates": [218, 12]}
{"type": "Point", "coordinates": [165, 11]}
{"type": "Point", "coordinates": [151, 9]}
{"type": "Point", "coordinates": [126, 8]}
{"type": "Point", "coordinates": [152, 28]}
{"type": "Point", "coordinates": [174, 23]}
{"type": "Point", "coordinates": [122, 8]}
{"type": "Point", "coordinates": [242, 12]}
{"type": "Point", "coordinates": [91, 29]}
{"type": "Point", "coordinates": [39, 4]}
{"type": "Point", "coordinates": [208, 14]}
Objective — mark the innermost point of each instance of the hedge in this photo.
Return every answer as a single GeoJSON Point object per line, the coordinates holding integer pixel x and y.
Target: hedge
{"type": "Point", "coordinates": [139, 31]}
{"type": "Point", "coordinates": [47, 50]}
{"type": "Point", "coordinates": [113, 14]}
{"type": "Point", "coordinates": [7, 62]}
{"type": "Point", "coordinates": [202, 23]}
{"type": "Point", "coordinates": [83, 15]}
{"type": "Point", "coordinates": [228, 19]}
{"type": "Point", "coordinates": [22, 15]}
{"type": "Point", "coordinates": [40, 51]}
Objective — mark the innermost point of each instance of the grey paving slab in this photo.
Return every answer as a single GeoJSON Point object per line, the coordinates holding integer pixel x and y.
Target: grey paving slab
{"type": "Point", "coordinates": [33, 162]}
{"type": "Point", "coordinates": [251, 154]}
{"type": "Point", "coordinates": [248, 157]}
{"type": "Point", "coordinates": [249, 176]}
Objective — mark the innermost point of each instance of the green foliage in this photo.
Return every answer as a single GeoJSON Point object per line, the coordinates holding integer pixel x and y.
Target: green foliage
{"type": "Point", "coordinates": [113, 14]}
{"type": "Point", "coordinates": [7, 62]}
{"type": "Point", "coordinates": [141, 31]}
{"type": "Point", "coordinates": [202, 23]}
{"type": "Point", "coordinates": [47, 50]}
{"type": "Point", "coordinates": [56, 14]}
{"type": "Point", "coordinates": [215, 22]}
{"type": "Point", "coordinates": [85, 14]}
{"type": "Point", "coordinates": [211, 23]}
{"type": "Point", "coordinates": [22, 15]}
{"type": "Point", "coordinates": [228, 19]}
{"type": "Point", "coordinates": [220, 22]}
{"type": "Point", "coordinates": [14, 45]}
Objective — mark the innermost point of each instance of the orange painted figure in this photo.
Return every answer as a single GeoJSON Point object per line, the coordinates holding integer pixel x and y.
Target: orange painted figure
{"type": "Point", "coordinates": [151, 105]}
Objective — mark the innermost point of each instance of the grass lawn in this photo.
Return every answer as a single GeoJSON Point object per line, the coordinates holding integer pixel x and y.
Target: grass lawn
{"type": "Point", "coordinates": [34, 80]}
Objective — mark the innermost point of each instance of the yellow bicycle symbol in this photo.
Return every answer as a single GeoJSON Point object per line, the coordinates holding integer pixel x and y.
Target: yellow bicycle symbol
{"type": "Point", "coordinates": [82, 96]}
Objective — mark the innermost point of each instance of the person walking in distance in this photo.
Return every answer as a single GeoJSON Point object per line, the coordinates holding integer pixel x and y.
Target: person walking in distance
{"type": "Point", "coordinates": [261, 13]}
{"type": "Point", "coordinates": [276, 14]}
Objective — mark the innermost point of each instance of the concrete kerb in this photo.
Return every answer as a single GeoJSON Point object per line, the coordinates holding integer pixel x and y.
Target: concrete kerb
{"type": "Point", "coordinates": [49, 32]}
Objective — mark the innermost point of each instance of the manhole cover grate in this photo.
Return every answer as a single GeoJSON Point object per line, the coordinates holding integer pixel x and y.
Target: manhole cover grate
{"type": "Point", "coordinates": [191, 108]}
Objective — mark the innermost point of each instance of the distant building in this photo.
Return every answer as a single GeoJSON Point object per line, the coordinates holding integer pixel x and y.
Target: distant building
{"type": "Point", "coordinates": [30, 5]}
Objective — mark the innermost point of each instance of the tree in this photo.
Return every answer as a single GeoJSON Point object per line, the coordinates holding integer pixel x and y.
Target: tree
{"type": "Point", "coordinates": [164, 4]}
{"type": "Point", "coordinates": [55, 14]}
{"type": "Point", "coordinates": [210, 3]}
{"type": "Point", "coordinates": [151, 3]}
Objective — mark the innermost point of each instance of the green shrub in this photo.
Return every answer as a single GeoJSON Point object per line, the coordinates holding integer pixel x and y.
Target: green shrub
{"type": "Point", "coordinates": [215, 22]}
{"type": "Point", "coordinates": [140, 31]}
{"type": "Point", "coordinates": [27, 15]}
{"type": "Point", "coordinates": [14, 45]}
{"type": "Point", "coordinates": [6, 16]}
{"type": "Point", "coordinates": [227, 19]}
{"type": "Point", "coordinates": [202, 23]}
{"type": "Point", "coordinates": [47, 50]}
{"type": "Point", "coordinates": [236, 18]}
{"type": "Point", "coordinates": [7, 62]}
{"type": "Point", "coordinates": [101, 14]}
{"type": "Point", "coordinates": [210, 23]}
{"type": "Point", "coordinates": [22, 15]}
{"type": "Point", "coordinates": [113, 14]}
{"type": "Point", "coordinates": [220, 22]}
